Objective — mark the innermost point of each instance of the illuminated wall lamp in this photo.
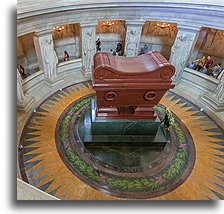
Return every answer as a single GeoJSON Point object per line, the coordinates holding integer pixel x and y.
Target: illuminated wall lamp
{"type": "Point", "coordinates": [59, 28]}
{"type": "Point", "coordinates": [108, 24]}
{"type": "Point", "coordinates": [163, 25]}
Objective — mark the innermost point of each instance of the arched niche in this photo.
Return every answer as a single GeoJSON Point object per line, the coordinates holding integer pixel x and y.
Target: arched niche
{"type": "Point", "coordinates": [67, 39]}
{"type": "Point", "coordinates": [110, 34]}
{"type": "Point", "coordinates": [26, 54]}
{"type": "Point", "coordinates": [210, 42]}
{"type": "Point", "coordinates": [159, 38]}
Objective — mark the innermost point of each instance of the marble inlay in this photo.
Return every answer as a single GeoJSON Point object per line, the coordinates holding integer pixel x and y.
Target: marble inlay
{"type": "Point", "coordinates": [69, 170]}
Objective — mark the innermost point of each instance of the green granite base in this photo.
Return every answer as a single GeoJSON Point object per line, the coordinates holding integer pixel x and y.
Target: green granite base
{"type": "Point", "coordinates": [122, 132]}
{"type": "Point", "coordinates": [123, 126]}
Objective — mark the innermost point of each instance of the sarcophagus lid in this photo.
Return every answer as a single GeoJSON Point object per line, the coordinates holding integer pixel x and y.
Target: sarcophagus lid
{"type": "Point", "coordinates": [129, 87]}
{"type": "Point", "coordinates": [149, 67]}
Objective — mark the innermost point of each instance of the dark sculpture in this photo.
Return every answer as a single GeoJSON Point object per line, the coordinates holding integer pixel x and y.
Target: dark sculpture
{"type": "Point", "coordinates": [129, 87]}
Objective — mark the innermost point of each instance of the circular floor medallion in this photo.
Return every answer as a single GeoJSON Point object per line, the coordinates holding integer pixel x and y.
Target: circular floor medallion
{"type": "Point", "coordinates": [55, 160]}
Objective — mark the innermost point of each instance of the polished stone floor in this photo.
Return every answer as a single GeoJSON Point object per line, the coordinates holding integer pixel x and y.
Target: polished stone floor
{"type": "Point", "coordinates": [55, 160]}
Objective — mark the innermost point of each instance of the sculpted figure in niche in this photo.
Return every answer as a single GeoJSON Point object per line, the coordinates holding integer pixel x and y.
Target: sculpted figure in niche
{"type": "Point", "coordinates": [180, 53]}
{"type": "Point", "coordinates": [88, 49]}
{"type": "Point", "coordinates": [50, 58]}
{"type": "Point", "coordinates": [20, 94]}
{"type": "Point", "coordinates": [131, 44]}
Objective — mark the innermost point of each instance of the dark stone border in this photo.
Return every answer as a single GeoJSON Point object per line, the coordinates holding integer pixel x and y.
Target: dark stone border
{"type": "Point", "coordinates": [21, 140]}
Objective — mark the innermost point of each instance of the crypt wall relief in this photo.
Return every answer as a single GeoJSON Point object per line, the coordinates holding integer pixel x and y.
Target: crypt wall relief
{"type": "Point", "coordinates": [158, 38]}
{"type": "Point", "coordinates": [211, 41]}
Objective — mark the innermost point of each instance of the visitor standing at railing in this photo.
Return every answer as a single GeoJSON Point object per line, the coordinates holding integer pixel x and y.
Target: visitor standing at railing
{"type": "Point", "coordinates": [216, 70]}
{"type": "Point", "coordinates": [118, 48]}
{"type": "Point", "coordinates": [200, 63]}
{"type": "Point", "coordinates": [98, 45]}
{"type": "Point", "coordinates": [66, 56]}
{"type": "Point", "coordinates": [22, 72]}
{"type": "Point", "coordinates": [111, 52]}
{"type": "Point", "coordinates": [208, 62]}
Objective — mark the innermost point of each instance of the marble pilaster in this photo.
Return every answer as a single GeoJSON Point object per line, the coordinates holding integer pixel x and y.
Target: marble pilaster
{"type": "Point", "coordinates": [182, 49]}
{"type": "Point", "coordinates": [24, 101]}
{"type": "Point", "coordinates": [46, 55]}
{"type": "Point", "coordinates": [88, 35]}
{"type": "Point", "coordinates": [133, 37]}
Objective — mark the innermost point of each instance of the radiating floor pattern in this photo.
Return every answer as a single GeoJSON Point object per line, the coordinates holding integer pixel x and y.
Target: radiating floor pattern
{"type": "Point", "coordinates": [42, 166]}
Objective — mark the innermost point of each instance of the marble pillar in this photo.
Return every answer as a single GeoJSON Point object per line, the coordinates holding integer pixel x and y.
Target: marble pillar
{"type": "Point", "coordinates": [24, 101]}
{"type": "Point", "coordinates": [133, 37]}
{"type": "Point", "coordinates": [215, 100]}
{"type": "Point", "coordinates": [46, 55]}
{"type": "Point", "coordinates": [88, 35]}
{"type": "Point", "coordinates": [182, 49]}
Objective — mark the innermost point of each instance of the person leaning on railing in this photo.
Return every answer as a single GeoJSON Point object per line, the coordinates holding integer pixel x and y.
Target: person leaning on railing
{"type": "Point", "coordinates": [216, 70]}
{"type": "Point", "coordinates": [200, 62]}
{"type": "Point", "coordinates": [66, 56]}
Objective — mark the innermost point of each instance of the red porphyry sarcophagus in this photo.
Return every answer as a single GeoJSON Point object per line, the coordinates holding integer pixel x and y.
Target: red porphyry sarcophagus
{"type": "Point", "coordinates": [129, 87]}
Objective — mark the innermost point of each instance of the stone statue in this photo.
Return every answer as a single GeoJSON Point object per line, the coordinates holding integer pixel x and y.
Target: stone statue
{"type": "Point", "coordinates": [131, 43]}
{"type": "Point", "coordinates": [20, 94]}
{"type": "Point", "coordinates": [89, 49]}
{"type": "Point", "coordinates": [50, 58]}
{"type": "Point", "coordinates": [180, 53]}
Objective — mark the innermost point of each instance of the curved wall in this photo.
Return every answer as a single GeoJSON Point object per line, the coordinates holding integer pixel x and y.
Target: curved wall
{"type": "Point", "coordinates": [35, 17]}
{"type": "Point", "coordinates": [40, 16]}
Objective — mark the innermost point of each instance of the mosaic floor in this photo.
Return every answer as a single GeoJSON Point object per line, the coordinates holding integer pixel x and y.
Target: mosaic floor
{"type": "Point", "coordinates": [189, 167]}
